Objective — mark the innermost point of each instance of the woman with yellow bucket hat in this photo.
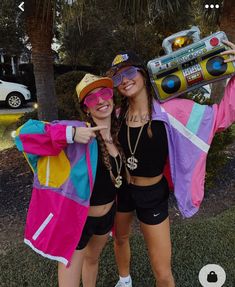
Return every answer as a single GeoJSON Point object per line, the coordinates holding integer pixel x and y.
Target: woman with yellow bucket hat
{"type": "Point", "coordinates": [78, 168]}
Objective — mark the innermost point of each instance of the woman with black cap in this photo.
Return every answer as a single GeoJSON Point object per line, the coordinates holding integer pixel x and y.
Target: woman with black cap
{"type": "Point", "coordinates": [78, 168]}
{"type": "Point", "coordinates": [150, 132]}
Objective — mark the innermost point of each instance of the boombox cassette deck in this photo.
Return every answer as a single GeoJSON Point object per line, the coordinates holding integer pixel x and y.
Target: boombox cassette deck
{"type": "Point", "coordinates": [190, 67]}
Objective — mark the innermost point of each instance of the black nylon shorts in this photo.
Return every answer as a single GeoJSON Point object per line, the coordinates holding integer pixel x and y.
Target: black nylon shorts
{"type": "Point", "coordinates": [150, 202]}
{"type": "Point", "coordinates": [97, 226]}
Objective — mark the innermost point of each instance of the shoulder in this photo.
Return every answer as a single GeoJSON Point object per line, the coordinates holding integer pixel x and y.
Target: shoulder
{"type": "Point", "coordinates": [178, 105]}
{"type": "Point", "coordinates": [175, 107]}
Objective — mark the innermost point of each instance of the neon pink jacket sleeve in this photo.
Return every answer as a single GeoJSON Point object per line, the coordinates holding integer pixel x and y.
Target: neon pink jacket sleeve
{"type": "Point", "coordinates": [40, 138]}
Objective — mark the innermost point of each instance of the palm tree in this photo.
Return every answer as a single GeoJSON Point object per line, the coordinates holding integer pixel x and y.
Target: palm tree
{"type": "Point", "coordinates": [39, 28]}
{"type": "Point", "coordinates": [40, 19]}
{"type": "Point", "coordinates": [153, 10]}
{"type": "Point", "coordinates": [227, 19]}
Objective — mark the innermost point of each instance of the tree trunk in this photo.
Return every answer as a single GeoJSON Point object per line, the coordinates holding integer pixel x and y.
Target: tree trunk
{"type": "Point", "coordinates": [227, 19]}
{"type": "Point", "coordinates": [39, 26]}
{"type": "Point", "coordinates": [227, 24]}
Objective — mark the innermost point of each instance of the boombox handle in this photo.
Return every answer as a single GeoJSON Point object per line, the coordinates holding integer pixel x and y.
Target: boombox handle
{"type": "Point", "coordinates": [194, 32]}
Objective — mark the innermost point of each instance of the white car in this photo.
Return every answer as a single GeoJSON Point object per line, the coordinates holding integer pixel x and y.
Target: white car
{"type": "Point", "coordinates": [13, 94]}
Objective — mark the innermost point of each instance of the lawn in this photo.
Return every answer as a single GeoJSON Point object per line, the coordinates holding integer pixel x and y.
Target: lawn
{"type": "Point", "coordinates": [195, 244]}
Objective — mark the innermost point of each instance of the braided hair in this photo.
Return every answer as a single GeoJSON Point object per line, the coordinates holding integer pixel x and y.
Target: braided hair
{"type": "Point", "coordinates": [103, 148]}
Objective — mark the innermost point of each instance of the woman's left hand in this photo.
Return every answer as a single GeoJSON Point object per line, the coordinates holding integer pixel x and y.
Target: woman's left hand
{"type": "Point", "coordinates": [229, 52]}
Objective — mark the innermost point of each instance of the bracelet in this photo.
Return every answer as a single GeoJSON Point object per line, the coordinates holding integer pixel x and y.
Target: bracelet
{"type": "Point", "coordinates": [74, 134]}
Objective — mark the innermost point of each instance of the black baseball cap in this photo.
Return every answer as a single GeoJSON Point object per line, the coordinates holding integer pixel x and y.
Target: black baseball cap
{"type": "Point", "coordinates": [124, 59]}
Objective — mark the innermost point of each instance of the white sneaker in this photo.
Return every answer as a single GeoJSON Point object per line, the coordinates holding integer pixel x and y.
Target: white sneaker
{"type": "Point", "coordinates": [120, 284]}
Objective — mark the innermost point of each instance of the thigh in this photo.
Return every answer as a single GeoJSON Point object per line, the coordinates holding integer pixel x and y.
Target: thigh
{"type": "Point", "coordinates": [157, 238]}
{"type": "Point", "coordinates": [95, 246]}
{"type": "Point", "coordinates": [122, 224]}
{"type": "Point", "coordinates": [70, 276]}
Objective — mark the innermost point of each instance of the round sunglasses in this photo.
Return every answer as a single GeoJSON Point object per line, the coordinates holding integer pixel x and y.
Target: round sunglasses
{"type": "Point", "coordinates": [128, 73]}
{"type": "Point", "coordinates": [93, 98]}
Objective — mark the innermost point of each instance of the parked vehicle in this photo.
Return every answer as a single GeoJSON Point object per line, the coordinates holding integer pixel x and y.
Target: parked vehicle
{"type": "Point", "coordinates": [13, 94]}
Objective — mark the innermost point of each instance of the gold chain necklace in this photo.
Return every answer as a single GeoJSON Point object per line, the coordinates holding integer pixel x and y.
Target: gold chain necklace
{"type": "Point", "coordinates": [118, 179]}
{"type": "Point", "coordinates": [132, 161]}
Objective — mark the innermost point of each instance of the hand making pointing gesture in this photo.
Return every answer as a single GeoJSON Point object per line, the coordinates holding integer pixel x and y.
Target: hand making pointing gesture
{"type": "Point", "coordinates": [84, 134]}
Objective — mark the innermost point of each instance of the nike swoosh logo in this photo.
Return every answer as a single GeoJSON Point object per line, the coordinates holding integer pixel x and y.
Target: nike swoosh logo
{"type": "Point", "coordinates": [156, 214]}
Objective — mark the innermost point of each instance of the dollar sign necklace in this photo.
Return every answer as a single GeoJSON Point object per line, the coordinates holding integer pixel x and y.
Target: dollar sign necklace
{"type": "Point", "coordinates": [132, 161]}
{"type": "Point", "coordinates": [118, 179]}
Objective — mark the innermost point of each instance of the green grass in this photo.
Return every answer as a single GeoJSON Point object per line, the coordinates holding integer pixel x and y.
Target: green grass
{"type": "Point", "coordinates": [195, 244]}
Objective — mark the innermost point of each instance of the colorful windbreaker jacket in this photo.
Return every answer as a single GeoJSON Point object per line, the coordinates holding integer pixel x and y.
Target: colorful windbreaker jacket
{"type": "Point", "coordinates": [64, 173]}
{"type": "Point", "coordinates": [63, 181]}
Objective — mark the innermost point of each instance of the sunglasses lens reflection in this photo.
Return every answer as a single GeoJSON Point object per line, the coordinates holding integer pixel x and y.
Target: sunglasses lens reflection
{"type": "Point", "coordinates": [93, 99]}
{"type": "Point", "coordinates": [129, 74]}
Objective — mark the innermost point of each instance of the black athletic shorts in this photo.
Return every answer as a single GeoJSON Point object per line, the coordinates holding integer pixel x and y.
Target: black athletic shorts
{"type": "Point", "coordinates": [98, 226]}
{"type": "Point", "coordinates": [150, 202]}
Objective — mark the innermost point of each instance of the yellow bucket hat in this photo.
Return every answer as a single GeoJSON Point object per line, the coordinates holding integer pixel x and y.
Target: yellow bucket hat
{"type": "Point", "coordinates": [91, 82]}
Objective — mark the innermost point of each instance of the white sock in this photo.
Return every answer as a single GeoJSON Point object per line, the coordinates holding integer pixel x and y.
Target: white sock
{"type": "Point", "coordinates": [126, 279]}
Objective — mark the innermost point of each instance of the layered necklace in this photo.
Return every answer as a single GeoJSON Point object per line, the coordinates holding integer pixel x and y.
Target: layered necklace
{"type": "Point", "coordinates": [132, 161]}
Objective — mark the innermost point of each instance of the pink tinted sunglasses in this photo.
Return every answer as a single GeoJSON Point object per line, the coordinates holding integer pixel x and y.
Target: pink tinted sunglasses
{"type": "Point", "coordinates": [93, 99]}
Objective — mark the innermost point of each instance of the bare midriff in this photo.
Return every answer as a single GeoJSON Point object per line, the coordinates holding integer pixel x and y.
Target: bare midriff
{"type": "Point", "coordinates": [145, 181]}
{"type": "Point", "coordinates": [100, 210]}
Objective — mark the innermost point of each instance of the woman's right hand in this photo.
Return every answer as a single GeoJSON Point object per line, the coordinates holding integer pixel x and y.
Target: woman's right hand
{"type": "Point", "coordinates": [84, 134]}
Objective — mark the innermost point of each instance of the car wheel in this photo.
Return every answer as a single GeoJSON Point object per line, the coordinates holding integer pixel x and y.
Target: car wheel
{"type": "Point", "coordinates": [15, 100]}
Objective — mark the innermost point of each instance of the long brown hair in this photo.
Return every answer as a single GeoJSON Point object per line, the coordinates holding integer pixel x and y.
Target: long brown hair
{"type": "Point", "coordinates": [125, 104]}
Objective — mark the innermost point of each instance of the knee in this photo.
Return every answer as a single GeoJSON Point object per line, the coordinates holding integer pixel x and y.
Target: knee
{"type": "Point", "coordinates": [91, 260]}
{"type": "Point", "coordinates": [164, 277]}
{"type": "Point", "coordinates": [122, 240]}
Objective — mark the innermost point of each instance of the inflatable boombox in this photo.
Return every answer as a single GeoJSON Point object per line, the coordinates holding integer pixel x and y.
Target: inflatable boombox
{"type": "Point", "coordinates": [189, 67]}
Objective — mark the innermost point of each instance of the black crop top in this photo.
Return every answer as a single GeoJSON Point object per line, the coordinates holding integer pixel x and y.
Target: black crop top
{"type": "Point", "coordinates": [151, 153]}
{"type": "Point", "coordinates": [104, 190]}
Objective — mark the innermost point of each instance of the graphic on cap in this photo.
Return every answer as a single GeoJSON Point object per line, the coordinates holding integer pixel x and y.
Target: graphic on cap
{"type": "Point", "coordinates": [119, 59]}
{"type": "Point", "coordinates": [91, 82]}
{"type": "Point", "coordinates": [89, 78]}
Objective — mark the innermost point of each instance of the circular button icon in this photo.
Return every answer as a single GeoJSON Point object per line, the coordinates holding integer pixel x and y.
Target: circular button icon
{"type": "Point", "coordinates": [212, 275]}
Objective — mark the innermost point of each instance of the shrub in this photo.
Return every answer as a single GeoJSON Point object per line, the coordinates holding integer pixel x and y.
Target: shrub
{"type": "Point", "coordinates": [67, 99]}
{"type": "Point", "coordinates": [27, 116]}
{"type": "Point", "coordinates": [217, 157]}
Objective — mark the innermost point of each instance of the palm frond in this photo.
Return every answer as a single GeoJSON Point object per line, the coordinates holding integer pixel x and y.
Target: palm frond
{"type": "Point", "coordinates": [137, 10]}
{"type": "Point", "coordinates": [211, 15]}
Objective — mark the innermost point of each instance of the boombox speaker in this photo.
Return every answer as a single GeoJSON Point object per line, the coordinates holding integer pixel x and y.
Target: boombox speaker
{"type": "Point", "coordinates": [190, 67]}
